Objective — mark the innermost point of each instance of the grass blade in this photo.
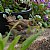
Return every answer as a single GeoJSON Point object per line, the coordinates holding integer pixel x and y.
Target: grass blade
{"type": "Point", "coordinates": [7, 37]}
{"type": "Point", "coordinates": [1, 45]}
{"type": "Point", "coordinates": [1, 42]}
{"type": "Point", "coordinates": [11, 47]}
{"type": "Point", "coordinates": [29, 40]}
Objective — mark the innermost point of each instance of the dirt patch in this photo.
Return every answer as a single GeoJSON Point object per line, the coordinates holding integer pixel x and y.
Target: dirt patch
{"type": "Point", "coordinates": [42, 42]}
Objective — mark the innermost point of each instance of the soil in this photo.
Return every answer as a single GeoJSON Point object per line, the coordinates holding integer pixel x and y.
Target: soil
{"type": "Point", "coordinates": [42, 42]}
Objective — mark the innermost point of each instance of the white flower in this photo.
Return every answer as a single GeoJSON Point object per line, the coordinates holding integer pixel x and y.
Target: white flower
{"type": "Point", "coordinates": [19, 17]}
{"type": "Point", "coordinates": [30, 19]}
{"type": "Point", "coordinates": [25, 1]}
{"type": "Point", "coordinates": [7, 10]}
{"type": "Point", "coordinates": [47, 16]}
{"type": "Point", "coordinates": [4, 15]}
{"type": "Point", "coordinates": [40, 23]}
{"type": "Point", "coordinates": [0, 36]}
{"type": "Point", "coordinates": [38, 16]}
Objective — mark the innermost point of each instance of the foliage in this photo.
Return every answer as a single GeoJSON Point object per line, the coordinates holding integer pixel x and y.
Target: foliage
{"type": "Point", "coordinates": [11, 47]}
{"type": "Point", "coordinates": [1, 8]}
{"type": "Point", "coordinates": [24, 45]}
{"type": "Point", "coordinates": [3, 41]}
{"type": "Point", "coordinates": [40, 14]}
{"type": "Point", "coordinates": [12, 5]}
{"type": "Point", "coordinates": [29, 41]}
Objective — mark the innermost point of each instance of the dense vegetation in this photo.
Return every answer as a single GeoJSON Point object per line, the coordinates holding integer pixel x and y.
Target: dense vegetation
{"type": "Point", "coordinates": [22, 29]}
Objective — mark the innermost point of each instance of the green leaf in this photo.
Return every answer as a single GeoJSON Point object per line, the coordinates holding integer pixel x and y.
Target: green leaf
{"type": "Point", "coordinates": [44, 24]}
{"type": "Point", "coordinates": [11, 47]}
{"type": "Point", "coordinates": [41, 6]}
{"type": "Point", "coordinates": [1, 45]}
{"type": "Point", "coordinates": [6, 38]}
{"type": "Point", "coordinates": [1, 42]}
{"type": "Point", "coordinates": [29, 29]}
{"type": "Point", "coordinates": [1, 8]}
{"type": "Point", "coordinates": [47, 11]}
{"type": "Point", "coordinates": [3, 0]}
{"type": "Point", "coordinates": [29, 41]}
{"type": "Point", "coordinates": [49, 26]}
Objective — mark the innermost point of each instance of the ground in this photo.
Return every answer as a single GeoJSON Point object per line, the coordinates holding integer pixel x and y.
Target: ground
{"type": "Point", "coordinates": [42, 42]}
